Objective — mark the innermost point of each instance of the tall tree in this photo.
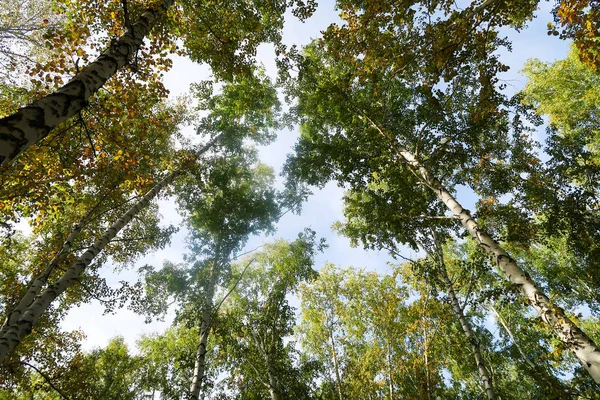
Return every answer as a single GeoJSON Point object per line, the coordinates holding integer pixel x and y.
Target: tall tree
{"type": "Point", "coordinates": [381, 130]}
{"type": "Point", "coordinates": [256, 319]}
{"type": "Point", "coordinates": [229, 47]}
{"type": "Point", "coordinates": [236, 202]}
{"type": "Point", "coordinates": [229, 123]}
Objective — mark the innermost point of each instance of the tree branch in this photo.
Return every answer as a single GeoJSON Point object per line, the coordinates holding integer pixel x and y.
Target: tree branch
{"type": "Point", "coordinates": [47, 379]}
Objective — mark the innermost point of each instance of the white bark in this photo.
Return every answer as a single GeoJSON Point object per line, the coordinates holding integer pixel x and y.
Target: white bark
{"type": "Point", "coordinates": [32, 123]}
{"type": "Point", "coordinates": [336, 367]}
{"type": "Point", "coordinates": [39, 281]}
{"type": "Point", "coordinates": [574, 338]}
{"type": "Point", "coordinates": [484, 374]}
{"type": "Point", "coordinates": [207, 315]}
{"type": "Point", "coordinates": [272, 378]}
{"type": "Point", "coordinates": [23, 326]}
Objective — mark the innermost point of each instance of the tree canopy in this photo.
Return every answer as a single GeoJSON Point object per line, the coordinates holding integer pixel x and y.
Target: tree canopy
{"type": "Point", "coordinates": [404, 105]}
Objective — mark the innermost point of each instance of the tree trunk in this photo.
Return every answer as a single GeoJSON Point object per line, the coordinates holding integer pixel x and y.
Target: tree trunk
{"type": "Point", "coordinates": [336, 367]}
{"type": "Point", "coordinates": [272, 391]}
{"type": "Point", "coordinates": [272, 380]}
{"type": "Point", "coordinates": [484, 374]}
{"type": "Point", "coordinates": [32, 123]}
{"type": "Point", "coordinates": [23, 326]}
{"type": "Point", "coordinates": [558, 388]}
{"type": "Point", "coordinates": [574, 338]}
{"type": "Point", "coordinates": [207, 315]}
{"type": "Point", "coordinates": [427, 377]}
{"type": "Point", "coordinates": [34, 288]}
{"type": "Point", "coordinates": [390, 378]}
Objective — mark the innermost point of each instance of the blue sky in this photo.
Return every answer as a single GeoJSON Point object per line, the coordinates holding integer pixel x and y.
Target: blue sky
{"type": "Point", "coordinates": [324, 207]}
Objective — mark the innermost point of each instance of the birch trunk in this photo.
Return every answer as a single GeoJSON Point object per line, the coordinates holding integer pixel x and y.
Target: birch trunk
{"type": "Point", "coordinates": [539, 370]}
{"type": "Point", "coordinates": [23, 326]}
{"type": "Point", "coordinates": [272, 391]}
{"type": "Point", "coordinates": [272, 380]}
{"type": "Point", "coordinates": [207, 314]}
{"type": "Point", "coordinates": [336, 367]}
{"type": "Point", "coordinates": [32, 123]}
{"type": "Point", "coordinates": [34, 288]}
{"type": "Point", "coordinates": [390, 379]}
{"type": "Point", "coordinates": [484, 374]}
{"type": "Point", "coordinates": [427, 378]}
{"type": "Point", "coordinates": [574, 338]}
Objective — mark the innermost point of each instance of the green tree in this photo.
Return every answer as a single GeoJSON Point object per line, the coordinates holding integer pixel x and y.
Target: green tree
{"type": "Point", "coordinates": [65, 268]}
{"type": "Point", "coordinates": [237, 202]}
{"type": "Point", "coordinates": [371, 339]}
{"type": "Point", "coordinates": [168, 359]}
{"type": "Point", "coordinates": [383, 132]}
{"type": "Point", "coordinates": [104, 373]}
{"type": "Point", "coordinates": [225, 35]}
{"type": "Point", "coordinates": [256, 319]}
{"type": "Point", "coordinates": [567, 92]}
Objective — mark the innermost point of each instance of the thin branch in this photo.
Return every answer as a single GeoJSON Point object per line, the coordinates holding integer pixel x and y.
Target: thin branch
{"type": "Point", "coordinates": [133, 239]}
{"type": "Point", "coordinates": [234, 286]}
{"type": "Point", "coordinates": [89, 135]}
{"type": "Point", "coordinates": [394, 252]}
{"type": "Point", "coordinates": [248, 252]}
{"type": "Point", "coordinates": [47, 379]}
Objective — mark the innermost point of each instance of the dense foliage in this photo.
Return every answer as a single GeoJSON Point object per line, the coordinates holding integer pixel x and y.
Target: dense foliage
{"type": "Point", "coordinates": [402, 104]}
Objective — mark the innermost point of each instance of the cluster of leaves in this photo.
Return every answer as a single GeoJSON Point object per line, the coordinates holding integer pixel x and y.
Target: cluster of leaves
{"type": "Point", "coordinates": [578, 21]}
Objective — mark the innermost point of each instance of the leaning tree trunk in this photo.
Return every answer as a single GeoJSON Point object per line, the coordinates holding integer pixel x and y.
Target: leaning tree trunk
{"type": "Point", "coordinates": [553, 383]}
{"type": "Point", "coordinates": [484, 374]}
{"type": "Point", "coordinates": [207, 316]}
{"type": "Point", "coordinates": [30, 308]}
{"type": "Point", "coordinates": [569, 333]}
{"type": "Point", "coordinates": [36, 285]}
{"type": "Point", "coordinates": [22, 326]}
{"type": "Point", "coordinates": [32, 123]}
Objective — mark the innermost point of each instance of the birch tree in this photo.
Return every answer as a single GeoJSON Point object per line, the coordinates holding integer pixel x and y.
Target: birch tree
{"type": "Point", "coordinates": [366, 130]}
{"type": "Point", "coordinates": [256, 319]}
{"type": "Point", "coordinates": [237, 202]}
{"type": "Point", "coordinates": [229, 47]}
{"type": "Point", "coordinates": [39, 295]}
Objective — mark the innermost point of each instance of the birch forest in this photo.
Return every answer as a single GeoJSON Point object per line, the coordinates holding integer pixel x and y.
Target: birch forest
{"type": "Point", "coordinates": [292, 199]}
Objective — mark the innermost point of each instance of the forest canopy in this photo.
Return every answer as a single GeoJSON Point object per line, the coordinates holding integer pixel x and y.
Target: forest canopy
{"type": "Point", "coordinates": [437, 225]}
